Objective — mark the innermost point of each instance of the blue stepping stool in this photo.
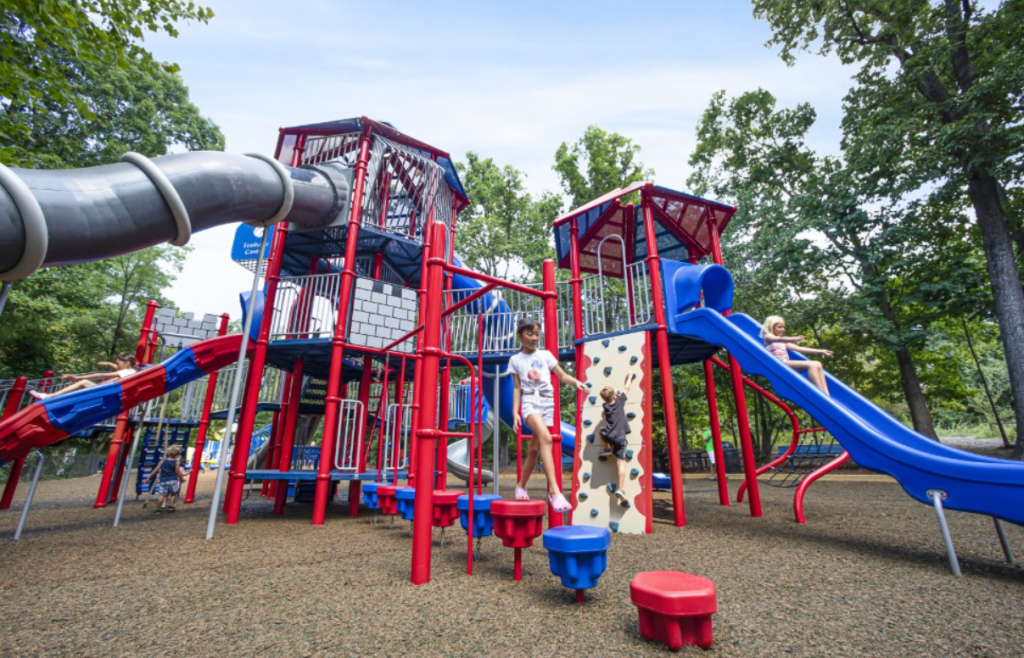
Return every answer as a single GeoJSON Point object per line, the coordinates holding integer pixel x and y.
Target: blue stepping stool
{"type": "Point", "coordinates": [483, 522]}
{"type": "Point", "coordinates": [370, 494]}
{"type": "Point", "coordinates": [578, 555]}
{"type": "Point", "coordinates": [404, 497]}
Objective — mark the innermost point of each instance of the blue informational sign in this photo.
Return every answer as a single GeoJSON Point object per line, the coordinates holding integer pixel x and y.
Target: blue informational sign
{"type": "Point", "coordinates": [246, 246]}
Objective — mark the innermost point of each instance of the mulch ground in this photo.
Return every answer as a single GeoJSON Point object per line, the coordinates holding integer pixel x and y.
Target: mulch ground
{"type": "Point", "coordinates": [866, 577]}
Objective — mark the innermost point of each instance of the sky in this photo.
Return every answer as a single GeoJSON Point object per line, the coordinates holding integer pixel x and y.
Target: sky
{"type": "Point", "coordinates": [510, 82]}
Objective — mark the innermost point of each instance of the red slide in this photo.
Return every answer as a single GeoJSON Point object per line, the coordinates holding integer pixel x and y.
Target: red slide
{"type": "Point", "coordinates": [56, 418]}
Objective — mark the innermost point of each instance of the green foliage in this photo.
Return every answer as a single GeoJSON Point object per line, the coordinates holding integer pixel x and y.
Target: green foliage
{"type": "Point", "coordinates": [936, 107]}
{"type": "Point", "coordinates": [76, 90]}
{"type": "Point", "coordinates": [65, 319]}
{"type": "Point", "coordinates": [126, 107]}
{"type": "Point", "coordinates": [46, 44]}
{"type": "Point", "coordinates": [505, 232]}
{"type": "Point", "coordinates": [597, 163]}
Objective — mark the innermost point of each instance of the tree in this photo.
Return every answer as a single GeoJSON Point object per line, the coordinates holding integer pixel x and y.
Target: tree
{"type": "Point", "coordinates": [597, 163]}
{"type": "Point", "coordinates": [37, 35]}
{"type": "Point", "coordinates": [940, 88]}
{"type": "Point", "coordinates": [131, 108]}
{"type": "Point", "coordinates": [500, 233]}
{"type": "Point", "coordinates": [873, 261]}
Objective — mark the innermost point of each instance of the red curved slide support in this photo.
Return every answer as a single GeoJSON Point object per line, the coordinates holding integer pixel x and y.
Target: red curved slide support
{"type": "Point", "coordinates": [789, 413]}
{"type": "Point", "coordinates": [798, 499]}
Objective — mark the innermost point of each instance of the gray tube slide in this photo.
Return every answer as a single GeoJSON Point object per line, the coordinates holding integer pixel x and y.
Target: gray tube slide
{"type": "Point", "coordinates": [60, 217]}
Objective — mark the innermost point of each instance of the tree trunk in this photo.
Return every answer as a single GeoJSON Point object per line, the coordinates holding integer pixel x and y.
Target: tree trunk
{"type": "Point", "coordinates": [984, 383]}
{"type": "Point", "coordinates": [919, 413]}
{"type": "Point", "coordinates": [1006, 288]}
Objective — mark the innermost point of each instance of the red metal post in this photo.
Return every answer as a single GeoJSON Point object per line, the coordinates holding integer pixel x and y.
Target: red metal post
{"type": "Point", "coordinates": [716, 434]}
{"type": "Point", "coordinates": [142, 353]}
{"type": "Point", "coordinates": [250, 403]}
{"type": "Point", "coordinates": [427, 432]}
{"type": "Point", "coordinates": [577, 324]}
{"type": "Point", "coordinates": [204, 422]}
{"type": "Point", "coordinates": [355, 486]}
{"type": "Point", "coordinates": [551, 344]}
{"type": "Point", "coordinates": [742, 419]}
{"type": "Point", "coordinates": [418, 366]}
{"type": "Point", "coordinates": [801, 490]}
{"type": "Point", "coordinates": [293, 397]}
{"type": "Point", "coordinates": [664, 362]}
{"type": "Point", "coordinates": [333, 400]}
{"type": "Point", "coordinates": [11, 408]}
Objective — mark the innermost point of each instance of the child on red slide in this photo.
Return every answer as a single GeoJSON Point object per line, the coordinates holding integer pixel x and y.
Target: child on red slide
{"type": "Point", "coordinates": [531, 371]}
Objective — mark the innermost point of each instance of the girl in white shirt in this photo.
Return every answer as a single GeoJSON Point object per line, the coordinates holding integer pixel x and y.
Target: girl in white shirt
{"type": "Point", "coordinates": [531, 371]}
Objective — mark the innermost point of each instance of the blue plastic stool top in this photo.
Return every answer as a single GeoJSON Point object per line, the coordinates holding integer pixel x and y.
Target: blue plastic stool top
{"type": "Point", "coordinates": [404, 497]}
{"type": "Point", "coordinates": [483, 522]}
{"type": "Point", "coordinates": [578, 554]}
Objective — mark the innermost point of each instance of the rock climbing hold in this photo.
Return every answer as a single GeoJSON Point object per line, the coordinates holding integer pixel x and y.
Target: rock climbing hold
{"type": "Point", "coordinates": [602, 458]}
{"type": "Point", "coordinates": [594, 512]}
{"type": "Point", "coordinates": [590, 385]}
{"type": "Point", "coordinates": [622, 348]}
{"type": "Point", "coordinates": [607, 371]}
{"type": "Point", "coordinates": [586, 477]}
{"type": "Point", "coordinates": [606, 342]}
{"type": "Point", "coordinates": [633, 360]}
{"type": "Point", "coordinates": [614, 525]}
{"type": "Point", "coordinates": [583, 495]}
{"type": "Point", "coordinates": [590, 438]}
{"type": "Point", "coordinates": [611, 487]}
{"type": "Point", "coordinates": [593, 399]}
{"type": "Point", "coordinates": [631, 415]}
{"type": "Point", "coordinates": [597, 360]}
{"type": "Point", "coordinates": [629, 454]}
{"type": "Point", "coordinates": [635, 472]}
{"type": "Point", "coordinates": [588, 423]}
{"type": "Point", "coordinates": [625, 504]}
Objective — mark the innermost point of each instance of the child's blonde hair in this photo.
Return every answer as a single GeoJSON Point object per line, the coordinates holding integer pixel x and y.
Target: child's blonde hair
{"type": "Point", "coordinates": [173, 452]}
{"type": "Point", "coordinates": [769, 324]}
{"type": "Point", "coordinates": [607, 393]}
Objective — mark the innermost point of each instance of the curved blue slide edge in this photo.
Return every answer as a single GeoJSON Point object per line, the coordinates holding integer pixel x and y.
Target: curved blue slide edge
{"type": "Point", "coordinates": [874, 439]}
{"type": "Point", "coordinates": [505, 386]}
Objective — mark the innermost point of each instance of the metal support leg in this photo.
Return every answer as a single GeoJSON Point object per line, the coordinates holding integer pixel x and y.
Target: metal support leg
{"type": "Point", "coordinates": [31, 493]}
{"type": "Point", "coordinates": [937, 498]}
{"type": "Point", "coordinates": [442, 538]}
{"type": "Point", "coordinates": [1004, 542]}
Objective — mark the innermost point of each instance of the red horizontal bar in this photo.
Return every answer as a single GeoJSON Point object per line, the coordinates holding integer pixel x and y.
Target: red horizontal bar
{"type": "Point", "coordinates": [469, 300]}
{"type": "Point", "coordinates": [490, 279]}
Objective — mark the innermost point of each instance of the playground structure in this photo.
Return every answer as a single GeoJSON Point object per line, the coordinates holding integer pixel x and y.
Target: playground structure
{"type": "Point", "coordinates": [367, 316]}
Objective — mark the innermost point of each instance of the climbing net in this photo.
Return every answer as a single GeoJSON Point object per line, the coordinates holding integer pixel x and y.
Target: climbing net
{"type": "Point", "coordinates": [814, 448]}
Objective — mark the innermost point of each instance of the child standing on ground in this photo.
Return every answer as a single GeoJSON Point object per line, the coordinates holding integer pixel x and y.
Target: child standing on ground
{"type": "Point", "coordinates": [531, 370]}
{"type": "Point", "coordinates": [773, 331]}
{"type": "Point", "coordinates": [171, 475]}
{"type": "Point", "coordinates": [615, 429]}
{"type": "Point", "coordinates": [123, 366]}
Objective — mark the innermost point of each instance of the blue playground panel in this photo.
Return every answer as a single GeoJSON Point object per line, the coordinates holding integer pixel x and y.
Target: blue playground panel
{"type": "Point", "coordinates": [578, 554]}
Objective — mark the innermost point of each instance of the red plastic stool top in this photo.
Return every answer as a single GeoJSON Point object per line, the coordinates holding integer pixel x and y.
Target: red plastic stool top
{"type": "Point", "coordinates": [445, 508]}
{"type": "Point", "coordinates": [675, 607]}
{"type": "Point", "coordinates": [386, 499]}
{"type": "Point", "coordinates": [518, 522]}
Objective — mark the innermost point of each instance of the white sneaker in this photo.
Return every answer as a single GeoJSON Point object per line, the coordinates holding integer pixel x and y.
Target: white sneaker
{"type": "Point", "coordinates": [36, 395]}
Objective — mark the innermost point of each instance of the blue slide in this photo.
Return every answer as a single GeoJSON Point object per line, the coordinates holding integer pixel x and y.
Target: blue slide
{"type": "Point", "coordinates": [874, 439]}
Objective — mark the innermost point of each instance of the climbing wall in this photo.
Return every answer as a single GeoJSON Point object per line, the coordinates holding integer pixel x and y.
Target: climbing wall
{"type": "Point", "coordinates": [606, 362]}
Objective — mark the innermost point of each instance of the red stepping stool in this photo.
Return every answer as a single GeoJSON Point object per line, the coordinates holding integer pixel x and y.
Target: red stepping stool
{"type": "Point", "coordinates": [387, 502]}
{"type": "Point", "coordinates": [518, 523]}
{"type": "Point", "coordinates": [446, 509]}
{"type": "Point", "coordinates": [675, 607]}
